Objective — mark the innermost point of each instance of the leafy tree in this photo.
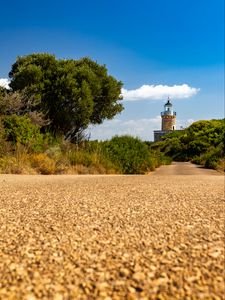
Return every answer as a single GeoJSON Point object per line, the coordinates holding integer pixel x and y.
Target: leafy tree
{"type": "Point", "coordinates": [70, 93]}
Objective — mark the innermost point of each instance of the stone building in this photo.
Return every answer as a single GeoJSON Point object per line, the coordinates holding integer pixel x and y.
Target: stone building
{"type": "Point", "coordinates": [168, 121]}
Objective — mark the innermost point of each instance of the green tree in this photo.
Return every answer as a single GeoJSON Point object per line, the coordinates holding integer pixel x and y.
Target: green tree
{"type": "Point", "coordinates": [72, 94]}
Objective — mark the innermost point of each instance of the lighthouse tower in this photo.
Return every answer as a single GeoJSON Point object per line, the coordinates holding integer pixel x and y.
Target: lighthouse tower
{"type": "Point", "coordinates": [168, 121]}
{"type": "Point", "coordinates": [168, 117]}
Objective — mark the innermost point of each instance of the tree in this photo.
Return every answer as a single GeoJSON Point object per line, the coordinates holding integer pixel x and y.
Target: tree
{"type": "Point", "coordinates": [72, 94]}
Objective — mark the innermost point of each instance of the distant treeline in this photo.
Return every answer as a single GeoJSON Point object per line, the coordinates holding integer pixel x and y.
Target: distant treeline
{"type": "Point", "coordinates": [201, 143]}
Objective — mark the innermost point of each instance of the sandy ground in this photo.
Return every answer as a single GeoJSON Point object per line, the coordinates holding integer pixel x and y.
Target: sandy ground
{"type": "Point", "coordinates": [113, 237]}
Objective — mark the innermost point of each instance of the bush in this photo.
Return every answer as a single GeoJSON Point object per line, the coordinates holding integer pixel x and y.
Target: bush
{"type": "Point", "coordinates": [129, 154]}
{"type": "Point", "coordinates": [81, 158]}
{"type": "Point", "coordinates": [21, 130]}
{"type": "Point", "coordinates": [221, 165]}
{"type": "Point", "coordinates": [5, 147]}
{"type": "Point", "coordinates": [16, 162]}
{"type": "Point", "coordinates": [10, 165]}
{"type": "Point", "coordinates": [211, 164]}
{"type": "Point", "coordinates": [43, 164]}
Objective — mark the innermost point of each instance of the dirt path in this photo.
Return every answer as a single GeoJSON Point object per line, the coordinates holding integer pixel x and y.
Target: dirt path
{"type": "Point", "coordinates": [184, 168]}
{"type": "Point", "coordinates": [111, 237]}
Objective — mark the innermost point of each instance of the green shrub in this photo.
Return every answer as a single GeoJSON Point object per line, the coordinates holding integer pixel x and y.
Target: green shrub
{"type": "Point", "coordinates": [5, 146]}
{"type": "Point", "coordinates": [129, 154]}
{"type": "Point", "coordinates": [20, 130]}
{"type": "Point", "coordinates": [54, 152]}
{"type": "Point", "coordinates": [211, 163]}
{"type": "Point", "coordinates": [81, 158]}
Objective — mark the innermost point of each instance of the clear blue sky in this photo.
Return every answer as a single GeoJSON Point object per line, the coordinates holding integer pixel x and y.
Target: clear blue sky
{"type": "Point", "coordinates": [141, 42]}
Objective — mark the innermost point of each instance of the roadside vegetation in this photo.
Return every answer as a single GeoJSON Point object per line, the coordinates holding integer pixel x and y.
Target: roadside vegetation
{"type": "Point", "coordinates": [50, 104]}
{"type": "Point", "coordinates": [25, 150]}
{"type": "Point", "coordinates": [45, 113]}
{"type": "Point", "coordinates": [201, 143]}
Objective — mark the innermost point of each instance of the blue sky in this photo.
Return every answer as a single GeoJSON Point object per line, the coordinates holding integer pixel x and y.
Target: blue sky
{"type": "Point", "coordinates": [156, 43]}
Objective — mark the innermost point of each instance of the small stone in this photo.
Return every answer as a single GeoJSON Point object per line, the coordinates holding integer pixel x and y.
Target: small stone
{"type": "Point", "coordinates": [139, 276]}
{"type": "Point", "coordinates": [102, 285]}
{"type": "Point", "coordinates": [131, 289]}
{"type": "Point", "coordinates": [214, 254]}
{"type": "Point", "coordinates": [31, 297]}
{"type": "Point", "coordinates": [58, 297]}
{"type": "Point", "coordinates": [124, 272]}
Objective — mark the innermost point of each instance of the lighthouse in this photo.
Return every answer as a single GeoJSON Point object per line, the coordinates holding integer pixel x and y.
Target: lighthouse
{"type": "Point", "coordinates": [168, 117]}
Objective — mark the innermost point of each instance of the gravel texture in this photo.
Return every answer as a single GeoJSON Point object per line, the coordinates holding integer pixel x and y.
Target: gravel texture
{"type": "Point", "coordinates": [112, 237]}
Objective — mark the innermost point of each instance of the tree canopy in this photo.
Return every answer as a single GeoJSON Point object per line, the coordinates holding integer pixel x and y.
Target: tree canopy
{"type": "Point", "coordinates": [71, 94]}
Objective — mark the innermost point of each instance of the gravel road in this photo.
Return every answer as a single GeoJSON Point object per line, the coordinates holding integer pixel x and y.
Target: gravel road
{"type": "Point", "coordinates": [112, 237]}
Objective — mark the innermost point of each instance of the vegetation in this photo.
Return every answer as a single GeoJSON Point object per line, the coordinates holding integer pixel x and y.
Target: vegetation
{"type": "Point", "coordinates": [43, 118]}
{"type": "Point", "coordinates": [131, 155]}
{"type": "Point", "coordinates": [201, 143]}
{"type": "Point", "coordinates": [70, 94]}
{"type": "Point", "coordinates": [44, 154]}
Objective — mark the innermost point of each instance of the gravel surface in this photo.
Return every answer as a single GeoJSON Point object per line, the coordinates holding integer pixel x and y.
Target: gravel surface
{"type": "Point", "coordinates": [112, 237]}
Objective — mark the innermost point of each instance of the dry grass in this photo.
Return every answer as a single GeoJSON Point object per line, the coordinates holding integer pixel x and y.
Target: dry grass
{"type": "Point", "coordinates": [43, 164]}
{"type": "Point", "coordinates": [54, 161]}
{"type": "Point", "coordinates": [221, 165]}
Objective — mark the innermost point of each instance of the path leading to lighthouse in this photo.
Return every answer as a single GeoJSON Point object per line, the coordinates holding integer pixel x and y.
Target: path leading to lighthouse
{"type": "Point", "coordinates": [184, 168]}
{"type": "Point", "coordinates": [112, 237]}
